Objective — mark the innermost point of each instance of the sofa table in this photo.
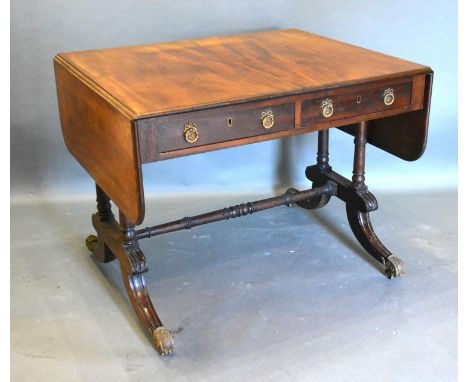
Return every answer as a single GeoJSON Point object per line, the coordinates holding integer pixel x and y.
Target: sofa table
{"type": "Point", "coordinates": [121, 108]}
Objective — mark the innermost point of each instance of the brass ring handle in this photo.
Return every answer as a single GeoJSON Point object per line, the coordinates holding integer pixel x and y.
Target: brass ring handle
{"type": "Point", "coordinates": [388, 96]}
{"type": "Point", "coordinates": [327, 108]}
{"type": "Point", "coordinates": [268, 119]}
{"type": "Point", "coordinates": [191, 132]}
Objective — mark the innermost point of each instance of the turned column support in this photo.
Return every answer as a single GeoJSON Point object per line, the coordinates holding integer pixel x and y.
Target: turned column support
{"type": "Point", "coordinates": [359, 200]}
{"type": "Point", "coordinates": [318, 201]}
{"type": "Point", "coordinates": [322, 148]}
{"type": "Point", "coordinates": [98, 247]}
{"type": "Point", "coordinates": [103, 204]}
{"type": "Point", "coordinates": [359, 164]}
{"type": "Point", "coordinates": [359, 220]}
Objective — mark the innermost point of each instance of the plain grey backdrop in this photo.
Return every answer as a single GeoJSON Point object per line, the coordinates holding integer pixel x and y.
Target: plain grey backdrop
{"type": "Point", "coordinates": [420, 31]}
{"type": "Point", "coordinates": [308, 304]}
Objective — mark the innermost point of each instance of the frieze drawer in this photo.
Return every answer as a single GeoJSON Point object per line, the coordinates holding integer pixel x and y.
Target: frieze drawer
{"type": "Point", "coordinates": [355, 101]}
{"type": "Point", "coordinates": [222, 124]}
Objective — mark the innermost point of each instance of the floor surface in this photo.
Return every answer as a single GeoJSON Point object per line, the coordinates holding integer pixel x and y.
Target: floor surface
{"type": "Point", "coordinates": [282, 295]}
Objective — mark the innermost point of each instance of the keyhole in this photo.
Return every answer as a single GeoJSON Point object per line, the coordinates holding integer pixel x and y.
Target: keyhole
{"type": "Point", "coordinates": [358, 99]}
{"type": "Point", "coordinates": [229, 122]}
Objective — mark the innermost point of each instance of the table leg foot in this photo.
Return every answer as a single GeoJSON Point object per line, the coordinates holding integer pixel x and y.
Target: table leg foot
{"type": "Point", "coordinates": [91, 242]}
{"type": "Point", "coordinates": [361, 226]}
{"type": "Point", "coordinates": [394, 267]}
{"type": "Point", "coordinates": [162, 340]}
{"type": "Point", "coordinates": [116, 240]}
{"type": "Point", "coordinates": [100, 250]}
{"type": "Point", "coordinates": [133, 265]}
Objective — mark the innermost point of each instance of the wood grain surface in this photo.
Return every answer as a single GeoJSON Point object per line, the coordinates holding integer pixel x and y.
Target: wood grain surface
{"type": "Point", "coordinates": [186, 75]}
{"type": "Point", "coordinates": [122, 107]}
{"type": "Point", "coordinates": [102, 139]}
{"type": "Point", "coordinates": [403, 135]}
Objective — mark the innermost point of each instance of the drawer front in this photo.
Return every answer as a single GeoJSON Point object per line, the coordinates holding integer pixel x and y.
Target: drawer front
{"type": "Point", "coordinates": [355, 101]}
{"type": "Point", "coordinates": [223, 124]}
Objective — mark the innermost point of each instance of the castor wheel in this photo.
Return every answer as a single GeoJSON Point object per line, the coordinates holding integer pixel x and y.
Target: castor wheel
{"type": "Point", "coordinates": [162, 340]}
{"type": "Point", "coordinates": [91, 242]}
{"type": "Point", "coordinates": [99, 249]}
{"type": "Point", "coordinates": [394, 267]}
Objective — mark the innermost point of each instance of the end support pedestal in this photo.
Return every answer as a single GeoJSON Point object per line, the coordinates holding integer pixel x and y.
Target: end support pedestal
{"type": "Point", "coordinates": [119, 241]}
{"type": "Point", "coordinates": [359, 200]}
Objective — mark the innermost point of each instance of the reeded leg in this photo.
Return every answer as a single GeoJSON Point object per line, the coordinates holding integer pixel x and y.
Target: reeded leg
{"type": "Point", "coordinates": [133, 265]}
{"type": "Point", "coordinates": [322, 162]}
{"type": "Point", "coordinates": [118, 240]}
{"type": "Point", "coordinates": [362, 228]}
{"type": "Point", "coordinates": [360, 221]}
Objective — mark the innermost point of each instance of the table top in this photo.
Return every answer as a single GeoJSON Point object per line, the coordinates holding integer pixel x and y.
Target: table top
{"type": "Point", "coordinates": [122, 107]}
{"type": "Point", "coordinates": [158, 79]}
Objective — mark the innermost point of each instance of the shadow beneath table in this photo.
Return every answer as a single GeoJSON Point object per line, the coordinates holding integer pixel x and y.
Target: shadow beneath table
{"type": "Point", "coordinates": [347, 239]}
{"type": "Point", "coordinates": [108, 275]}
{"type": "Point", "coordinates": [285, 179]}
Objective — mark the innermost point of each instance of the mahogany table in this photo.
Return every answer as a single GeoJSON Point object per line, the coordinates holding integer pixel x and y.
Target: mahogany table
{"type": "Point", "coordinates": [124, 107]}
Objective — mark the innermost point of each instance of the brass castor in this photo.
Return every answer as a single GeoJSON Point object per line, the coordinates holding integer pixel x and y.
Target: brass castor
{"type": "Point", "coordinates": [91, 242]}
{"type": "Point", "coordinates": [162, 340]}
{"type": "Point", "coordinates": [394, 267]}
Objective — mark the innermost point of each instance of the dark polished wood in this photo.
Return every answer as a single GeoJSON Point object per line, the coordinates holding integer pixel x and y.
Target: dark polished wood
{"type": "Point", "coordinates": [222, 124]}
{"type": "Point", "coordinates": [360, 198]}
{"type": "Point", "coordinates": [320, 200]}
{"type": "Point", "coordinates": [104, 213]}
{"type": "Point", "coordinates": [122, 241]}
{"type": "Point", "coordinates": [121, 108]}
{"type": "Point", "coordinates": [403, 135]}
{"type": "Point", "coordinates": [359, 202]}
{"type": "Point", "coordinates": [359, 165]}
{"type": "Point", "coordinates": [357, 100]}
{"type": "Point", "coordinates": [359, 221]}
{"type": "Point", "coordinates": [361, 226]}
{"type": "Point", "coordinates": [237, 211]}
{"type": "Point", "coordinates": [322, 148]}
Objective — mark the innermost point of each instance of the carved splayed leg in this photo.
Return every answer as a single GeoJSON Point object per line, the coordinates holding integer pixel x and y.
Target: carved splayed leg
{"type": "Point", "coordinates": [133, 265]}
{"type": "Point", "coordinates": [361, 226]}
{"type": "Point", "coordinates": [359, 220]}
{"type": "Point", "coordinates": [118, 240]}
